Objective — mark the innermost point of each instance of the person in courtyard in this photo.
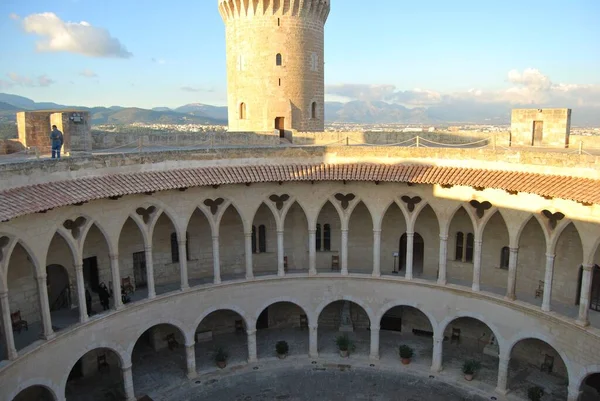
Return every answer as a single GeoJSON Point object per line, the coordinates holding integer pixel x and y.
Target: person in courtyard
{"type": "Point", "coordinates": [88, 301]}
{"type": "Point", "coordinates": [104, 296]}
{"type": "Point", "coordinates": [56, 139]}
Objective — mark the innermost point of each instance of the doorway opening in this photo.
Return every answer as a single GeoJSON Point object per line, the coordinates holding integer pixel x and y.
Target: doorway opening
{"type": "Point", "coordinates": [280, 126]}
{"type": "Point", "coordinates": [418, 253]}
{"type": "Point", "coordinates": [139, 269]}
{"type": "Point", "coordinates": [538, 133]}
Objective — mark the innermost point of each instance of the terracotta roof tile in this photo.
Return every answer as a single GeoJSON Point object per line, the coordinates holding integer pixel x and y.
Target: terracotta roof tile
{"type": "Point", "coordinates": [40, 197]}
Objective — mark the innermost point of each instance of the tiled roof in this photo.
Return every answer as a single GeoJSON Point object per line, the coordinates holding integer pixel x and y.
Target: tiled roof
{"type": "Point", "coordinates": [40, 197]}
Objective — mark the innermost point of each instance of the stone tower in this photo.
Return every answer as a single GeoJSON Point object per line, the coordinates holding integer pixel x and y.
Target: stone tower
{"type": "Point", "coordinates": [275, 77]}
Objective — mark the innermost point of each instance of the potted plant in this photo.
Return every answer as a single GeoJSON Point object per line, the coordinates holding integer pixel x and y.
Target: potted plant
{"type": "Point", "coordinates": [221, 357]}
{"type": "Point", "coordinates": [535, 393]}
{"type": "Point", "coordinates": [344, 345]}
{"type": "Point", "coordinates": [469, 368]}
{"type": "Point", "coordinates": [406, 353]}
{"type": "Point", "coordinates": [282, 349]}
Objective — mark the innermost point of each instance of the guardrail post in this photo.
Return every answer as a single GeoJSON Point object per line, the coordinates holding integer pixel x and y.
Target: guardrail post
{"type": "Point", "coordinates": [580, 147]}
{"type": "Point", "coordinates": [347, 142]}
{"type": "Point", "coordinates": [140, 143]}
{"type": "Point", "coordinates": [418, 141]}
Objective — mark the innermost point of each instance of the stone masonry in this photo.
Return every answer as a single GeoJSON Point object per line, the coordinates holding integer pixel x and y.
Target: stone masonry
{"type": "Point", "coordinates": [541, 127]}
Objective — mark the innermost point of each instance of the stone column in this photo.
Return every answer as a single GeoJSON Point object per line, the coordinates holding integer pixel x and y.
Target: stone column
{"type": "Point", "coordinates": [45, 307]}
{"type": "Point", "coordinates": [584, 299]}
{"type": "Point", "coordinates": [7, 324]}
{"type": "Point", "coordinates": [183, 268]}
{"type": "Point", "coordinates": [313, 349]}
{"type": "Point", "coordinates": [128, 383]}
{"type": "Point", "coordinates": [83, 312]}
{"type": "Point", "coordinates": [116, 279]}
{"type": "Point", "coordinates": [573, 393]}
{"type": "Point", "coordinates": [512, 274]}
{"type": "Point", "coordinates": [280, 266]}
{"type": "Point", "coordinates": [436, 359]}
{"type": "Point", "coordinates": [216, 260]}
{"type": "Point", "coordinates": [376, 253]}
{"type": "Point", "coordinates": [374, 342]}
{"type": "Point", "coordinates": [548, 282]}
{"type": "Point", "coordinates": [410, 240]}
{"type": "Point", "coordinates": [344, 252]}
{"type": "Point", "coordinates": [502, 375]}
{"type": "Point", "coordinates": [312, 252]}
{"type": "Point", "coordinates": [248, 246]}
{"type": "Point", "coordinates": [150, 273]}
{"type": "Point", "coordinates": [252, 356]}
{"type": "Point", "coordinates": [190, 356]}
{"type": "Point", "coordinates": [443, 259]}
{"type": "Point", "coordinates": [476, 265]}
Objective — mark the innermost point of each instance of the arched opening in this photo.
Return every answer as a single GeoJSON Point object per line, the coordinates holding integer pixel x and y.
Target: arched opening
{"type": "Point", "coordinates": [264, 238]}
{"type": "Point", "coordinates": [406, 325]}
{"type": "Point", "coordinates": [278, 59]}
{"type": "Point", "coordinates": [132, 263]}
{"type": "Point", "coordinates": [282, 321]}
{"type": "Point", "coordinates": [418, 254]}
{"type": "Point", "coordinates": [328, 252]}
{"type": "Point", "coordinates": [360, 240]}
{"type": "Point", "coordinates": [200, 263]}
{"type": "Point", "coordinates": [467, 338]}
{"type": "Point", "coordinates": [393, 225]}
{"type": "Point", "coordinates": [167, 273]}
{"type": "Point", "coordinates": [60, 278]}
{"type": "Point", "coordinates": [494, 252]}
{"type": "Point", "coordinates": [460, 269]}
{"type": "Point", "coordinates": [534, 362]}
{"type": "Point", "coordinates": [313, 110]}
{"type": "Point", "coordinates": [225, 330]}
{"type": "Point", "coordinates": [96, 375]}
{"type": "Point", "coordinates": [35, 393]}
{"type": "Point", "coordinates": [428, 227]}
{"type": "Point", "coordinates": [23, 299]}
{"type": "Point", "coordinates": [97, 270]}
{"type": "Point", "coordinates": [159, 351]}
{"type": "Point", "coordinates": [590, 388]}
{"type": "Point", "coordinates": [242, 111]}
{"type": "Point", "coordinates": [341, 318]}
{"type": "Point", "coordinates": [232, 246]}
{"type": "Point", "coordinates": [296, 240]}
{"type": "Point", "coordinates": [531, 263]}
{"type": "Point", "coordinates": [569, 251]}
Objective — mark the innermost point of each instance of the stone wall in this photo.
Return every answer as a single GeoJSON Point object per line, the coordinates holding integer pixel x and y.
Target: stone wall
{"type": "Point", "coordinates": [34, 130]}
{"type": "Point", "coordinates": [556, 125]}
{"type": "Point", "coordinates": [76, 128]}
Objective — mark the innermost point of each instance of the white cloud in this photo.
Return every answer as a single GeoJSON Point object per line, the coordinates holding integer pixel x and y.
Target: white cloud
{"type": "Point", "coordinates": [73, 37]}
{"type": "Point", "coordinates": [195, 89]}
{"type": "Point", "coordinates": [88, 73]}
{"type": "Point", "coordinates": [14, 16]}
{"type": "Point", "coordinates": [159, 60]}
{"type": "Point", "coordinates": [21, 80]}
{"type": "Point", "coordinates": [529, 87]}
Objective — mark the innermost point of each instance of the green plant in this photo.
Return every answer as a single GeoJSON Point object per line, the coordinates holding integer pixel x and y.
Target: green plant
{"type": "Point", "coordinates": [282, 347]}
{"type": "Point", "coordinates": [470, 367]}
{"type": "Point", "coordinates": [221, 355]}
{"type": "Point", "coordinates": [535, 393]}
{"type": "Point", "coordinates": [406, 352]}
{"type": "Point", "coordinates": [344, 343]}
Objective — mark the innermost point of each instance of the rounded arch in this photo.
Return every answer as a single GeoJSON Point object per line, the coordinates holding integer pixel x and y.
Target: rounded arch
{"type": "Point", "coordinates": [390, 305]}
{"type": "Point", "coordinates": [441, 328]}
{"type": "Point", "coordinates": [187, 335]}
{"type": "Point", "coordinates": [288, 300]}
{"type": "Point", "coordinates": [537, 336]}
{"type": "Point", "coordinates": [350, 298]}
{"type": "Point", "coordinates": [232, 308]}
{"type": "Point", "coordinates": [30, 384]}
{"type": "Point", "coordinates": [586, 372]}
{"type": "Point", "coordinates": [124, 358]}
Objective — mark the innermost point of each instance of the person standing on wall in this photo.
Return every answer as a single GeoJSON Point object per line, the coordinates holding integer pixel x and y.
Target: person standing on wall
{"type": "Point", "coordinates": [56, 138]}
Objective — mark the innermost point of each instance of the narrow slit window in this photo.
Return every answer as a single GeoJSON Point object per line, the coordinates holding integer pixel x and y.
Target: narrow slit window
{"type": "Point", "coordinates": [327, 237]}
{"type": "Point", "coordinates": [242, 111]}
{"type": "Point", "coordinates": [253, 239]}
{"type": "Point", "coordinates": [469, 250]}
{"type": "Point", "coordinates": [504, 257]}
{"type": "Point", "coordinates": [278, 59]}
{"type": "Point", "coordinates": [460, 237]}
{"type": "Point", "coordinates": [318, 238]}
{"type": "Point", "coordinates": [313, 110]}
{"type": "Point", "coordinates": [262, 238]}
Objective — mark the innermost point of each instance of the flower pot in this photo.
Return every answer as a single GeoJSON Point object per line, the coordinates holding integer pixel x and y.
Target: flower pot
{"type": "Point", "coordinates": [468, 377]}
{"type": "Point", "coordinates": [281, 356]}
{"type": "Point", "coordinates": [221, 364]}
{"type": "Point", "coordinates": [405, 361]}
{"type": "Point", "coordinates": [344, 354]}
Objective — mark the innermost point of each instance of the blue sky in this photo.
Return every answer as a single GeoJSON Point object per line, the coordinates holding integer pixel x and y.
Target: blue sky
{"type": "Point", "coordinates": [414, 53]}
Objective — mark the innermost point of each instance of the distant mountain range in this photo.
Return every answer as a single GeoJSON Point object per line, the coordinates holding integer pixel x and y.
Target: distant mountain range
{"type": "Point", "coordinates": [359, 112]}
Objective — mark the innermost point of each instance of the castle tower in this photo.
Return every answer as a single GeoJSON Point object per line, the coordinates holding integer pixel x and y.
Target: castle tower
{"type": "Point", "coordinates": [275, 67]}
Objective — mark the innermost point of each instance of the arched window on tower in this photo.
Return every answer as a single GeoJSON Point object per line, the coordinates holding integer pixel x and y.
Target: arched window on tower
{"type": "Point", "coordinates": [318, 238]}
{"type": "Point", "coordinates": [278, 59]}
{"type": "Point", "coordinates": [262, 238]}
{"type": "Point", "coordinates": [327, 237]}
{"type": "Point", "coordinates": [242, 111]}
{"type": "Point", "coordinates": [460, 237]}
{"type": "Point", "coordinates": [469, 250]}
{"type": "Point", "coordinates": [313, 110]}
{"type": "Point", "coordinates": [504, 257]}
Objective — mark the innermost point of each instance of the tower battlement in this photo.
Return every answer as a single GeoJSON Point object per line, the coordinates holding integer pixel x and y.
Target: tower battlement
{"type": "Point", "coordinates": [231, 9]}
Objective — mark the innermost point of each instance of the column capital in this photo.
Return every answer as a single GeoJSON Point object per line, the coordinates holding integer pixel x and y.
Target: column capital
{"type": "Point", "coordinates": [182, 242]}
{"type": "Point", "coordinates": [41, 277]}
{"type": "Point", "coordinates": [438, 339]}
{"type": "Point", "coordinates": [313, 326]}
{"type": "Point", "coordinates": [248, 235]}
{"type": "Point", "coordinates": [514, 250]}
{"type": "Point", "coordinates": [312, 231]}
{"type": "Point", "coordinates": [4, 294]}
{"type": "Point", "coordinates": [443, 237]}
{"type": "Point", "coordinates": [280, 232]}
{"type": "Point", "coordinates": [126, 367]}
{"type": "Point", "coordinates": [410, 233]}
{"type": "Point", "coordinates": [148, 248]}
{"type": "Point", "coordinates": [550, 255]}
{"type": "Point", "coordinates": [251, 332]}
{"type": "Point", "coordinates": [344, 230]}
{"type": "Point", "coordinates": [114, 256]}
{"type": "Point", "coordinates": [587, 268]}
{"type": "Point", "coordinates": [377, 231]}
{"type": "Point", "coordinates": [78, 266]}
{"type": "Point", "coordinates": [478, 241]}
{"type": "Point", "coordinates": [503, 360]}
{"type": "Point", "coordinates": [193, 344]}
{"type": "Point", "coordinates": [375, 327]}
{"type": "Point", "coordinates": [215, 237]}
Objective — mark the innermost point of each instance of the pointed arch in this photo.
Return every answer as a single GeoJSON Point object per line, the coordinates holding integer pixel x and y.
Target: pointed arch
{"type": "Point", "coordinates": [495, 244]}
{"type": "Point", "coordinates": [360, 240]}
{"type": "Point", "coordinates": [232, 243]}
